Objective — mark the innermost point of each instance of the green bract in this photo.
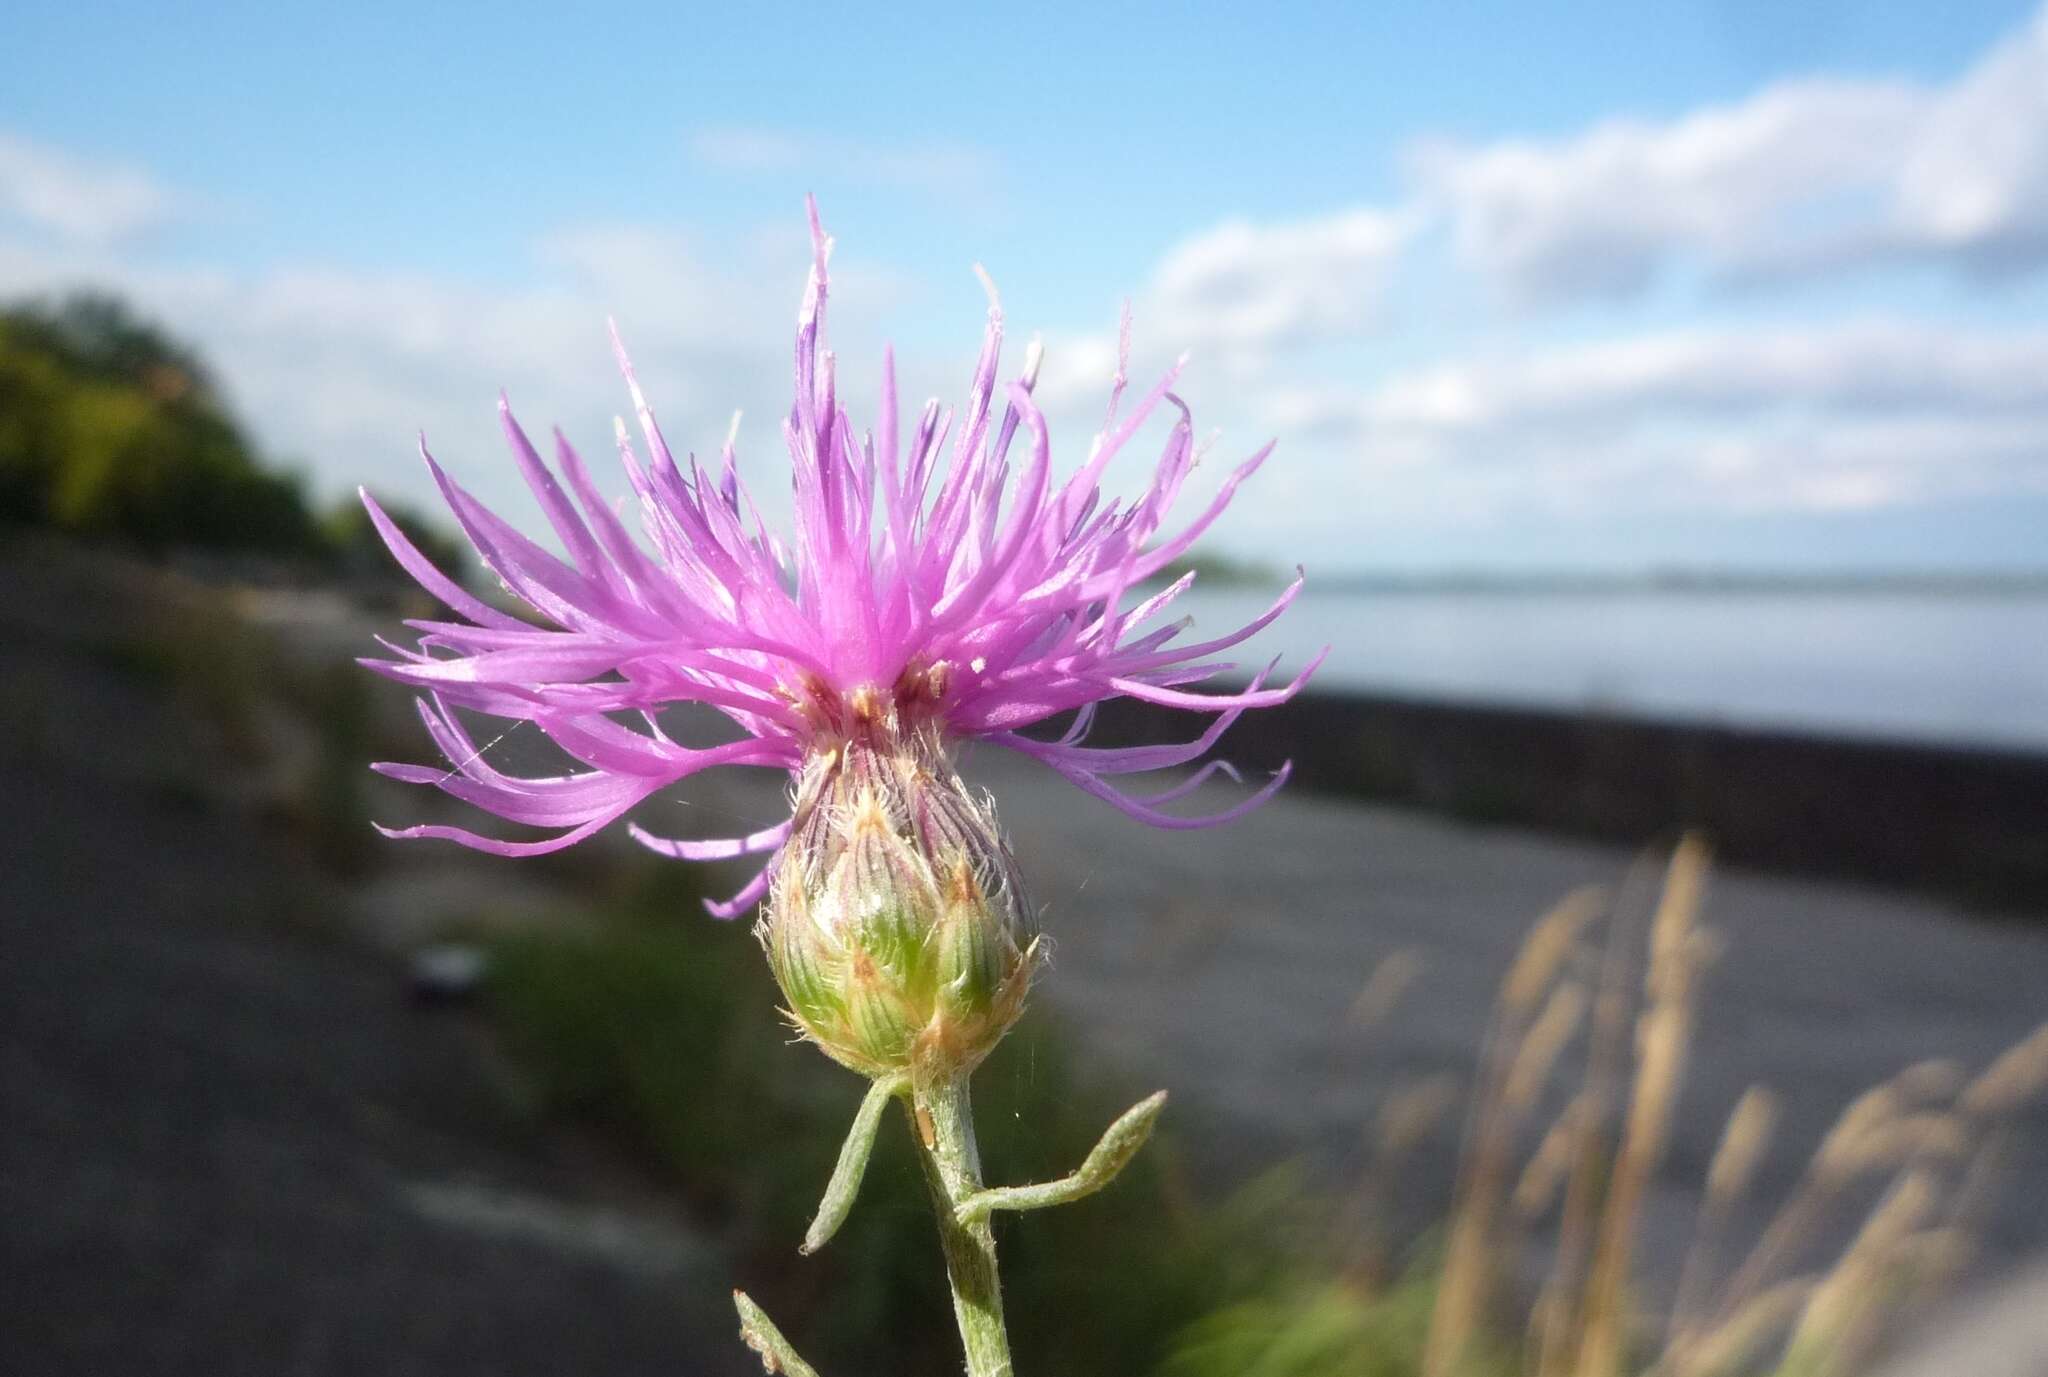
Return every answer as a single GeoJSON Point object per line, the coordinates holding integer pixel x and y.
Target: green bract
{"type": "Point", "coordinates": [897, 925]}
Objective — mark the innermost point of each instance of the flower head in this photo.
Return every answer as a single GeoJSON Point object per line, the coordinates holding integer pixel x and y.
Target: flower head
{"type": "Point", "coordinates": [927, 596]}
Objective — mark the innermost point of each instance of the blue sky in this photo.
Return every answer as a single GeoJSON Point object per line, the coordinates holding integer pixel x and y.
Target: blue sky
{"type": "Point", "coordinates": [1599, 285]}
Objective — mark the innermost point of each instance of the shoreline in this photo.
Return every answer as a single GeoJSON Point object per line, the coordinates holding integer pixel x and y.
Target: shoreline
{"type": "Point", "coordinates": [1969, 822]}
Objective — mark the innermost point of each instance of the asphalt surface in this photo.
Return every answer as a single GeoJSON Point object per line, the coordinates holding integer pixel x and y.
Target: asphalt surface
{"type": "Point", "coordinates": [233, 1146]}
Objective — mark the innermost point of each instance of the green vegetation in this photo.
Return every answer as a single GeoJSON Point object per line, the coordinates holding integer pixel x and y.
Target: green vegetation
{"type": "Point", "coordinates": [350, 546]}
{"type": "Point", "coordinates": [1321, 1329]}
{"type": "Point", "coordinates": [112, 430]}
{"type": "Point", "coordinates": [1213, 571]}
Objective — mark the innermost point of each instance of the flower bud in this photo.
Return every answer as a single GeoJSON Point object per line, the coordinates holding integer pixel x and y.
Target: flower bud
{"type": "Point", "coordinates": [897, 926]}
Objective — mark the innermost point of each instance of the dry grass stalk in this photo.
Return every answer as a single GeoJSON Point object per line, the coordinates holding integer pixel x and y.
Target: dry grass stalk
{"type": "Point", "coordinates": [1467, 1278]}
{"type": "Point", "coordinates": [1920, 1123]}
{"type": "Point", "coordinates": [1848, 1146]}
{"type": "Point", "coordinates": [1897, 1249]}
{"type": "Point", "coordinates": [1973, 1193]}
{"type": "Point", "coordinates": [1877, 1130]}
{"type": "Point", "coordinates": [1545, 948]}
{"type": "Point", "coordinates": [1919, 1264]}
{"type": "Point", "coordinates": [1514, 1042]}
{"type": "Point", "coordinates": [1404, 1123]}
{"type": "Point", "coordinates": [1390, 981]}
{"type": "Point", "coordinates": [1864, 1277]}
{"type": "Point", "coordinates": [1868, 1115]}
{"type": "Point", "coordinates": [1663, 1034]}
{"type": "Point", "coordinates": [1469, 1255]}
{"type": "Point", "coordinates": [1934, 1255]}
{"type": "Point", "coordinates": [1743, 1143]}
{"type": "Point", "coordinates": [1541, 1046]}
{"type": "Point", "coordinates": [1409, 1115]}
{"type": "Point", "coordinates": [1554, 1322]}
{"type": "Point", "coordinates": [1580, 1325]}
{"type": "Point", "coordinates": [1671, 930]}
{"type": "Point", "coordinates": [1934, 1135]}
{"type": "Point", "coordinates": [1924, 1082]}
{"type": "Point", "coordinates": [1740, 1337]}
{"type": "Point", "coordinates": [1552, 1159]}
{"type": "Point", "coordinates": [2015, 1078]}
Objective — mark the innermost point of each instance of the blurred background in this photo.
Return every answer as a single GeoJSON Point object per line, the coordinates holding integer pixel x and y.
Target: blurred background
{"type": "Point", "coordinates": [1662, 397]}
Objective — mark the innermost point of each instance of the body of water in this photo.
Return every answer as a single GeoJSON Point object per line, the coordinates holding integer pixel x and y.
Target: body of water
{"type": "Point", "coordinates": [1941, 667]}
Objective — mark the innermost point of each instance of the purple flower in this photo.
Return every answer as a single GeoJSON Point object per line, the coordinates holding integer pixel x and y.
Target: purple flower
{"type": "Point", "coordinates": [913, 585]}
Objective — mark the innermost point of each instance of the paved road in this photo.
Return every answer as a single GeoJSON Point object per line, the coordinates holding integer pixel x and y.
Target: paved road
{"type": "Point", "coordinates": [231, 1147]}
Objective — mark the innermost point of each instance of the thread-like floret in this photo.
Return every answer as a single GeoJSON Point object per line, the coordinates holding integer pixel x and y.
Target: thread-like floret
{"type": "Point", "coordinates": [922, 583]}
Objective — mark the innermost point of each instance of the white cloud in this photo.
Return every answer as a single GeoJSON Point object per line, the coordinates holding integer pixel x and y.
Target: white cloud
{"type": "Point", "coordinates": [1239, 297]}
{"type": "Point", "coordinates": [1852, 415]}
{"type": "Point", "coordinates": [1974, 180]}
{"type": "Point", "coordinates": [77, 199]}
{"type": "Point", "coordinates": [1870, 368]}
{"type": "Point", "coordinates": [1599, 214]}
{"type": "Point", "coordinates": [1804, 177]}
{"type": "Point", "coordinates": [341, 367]}
{"type": "Point", "coordinates": [936, 166]}
{"type": "Point", "coordinates": [1859, 415]}
{"type": "Point", "coordinates": [1246, 286]}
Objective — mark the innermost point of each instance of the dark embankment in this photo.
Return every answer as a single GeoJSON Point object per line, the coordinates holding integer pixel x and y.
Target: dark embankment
{"type": "Point", "coordinates": [1966, 822]}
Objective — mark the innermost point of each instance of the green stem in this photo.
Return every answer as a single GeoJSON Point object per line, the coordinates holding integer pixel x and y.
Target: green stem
{"type": "Point", "coordinates": [942, 1122]}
